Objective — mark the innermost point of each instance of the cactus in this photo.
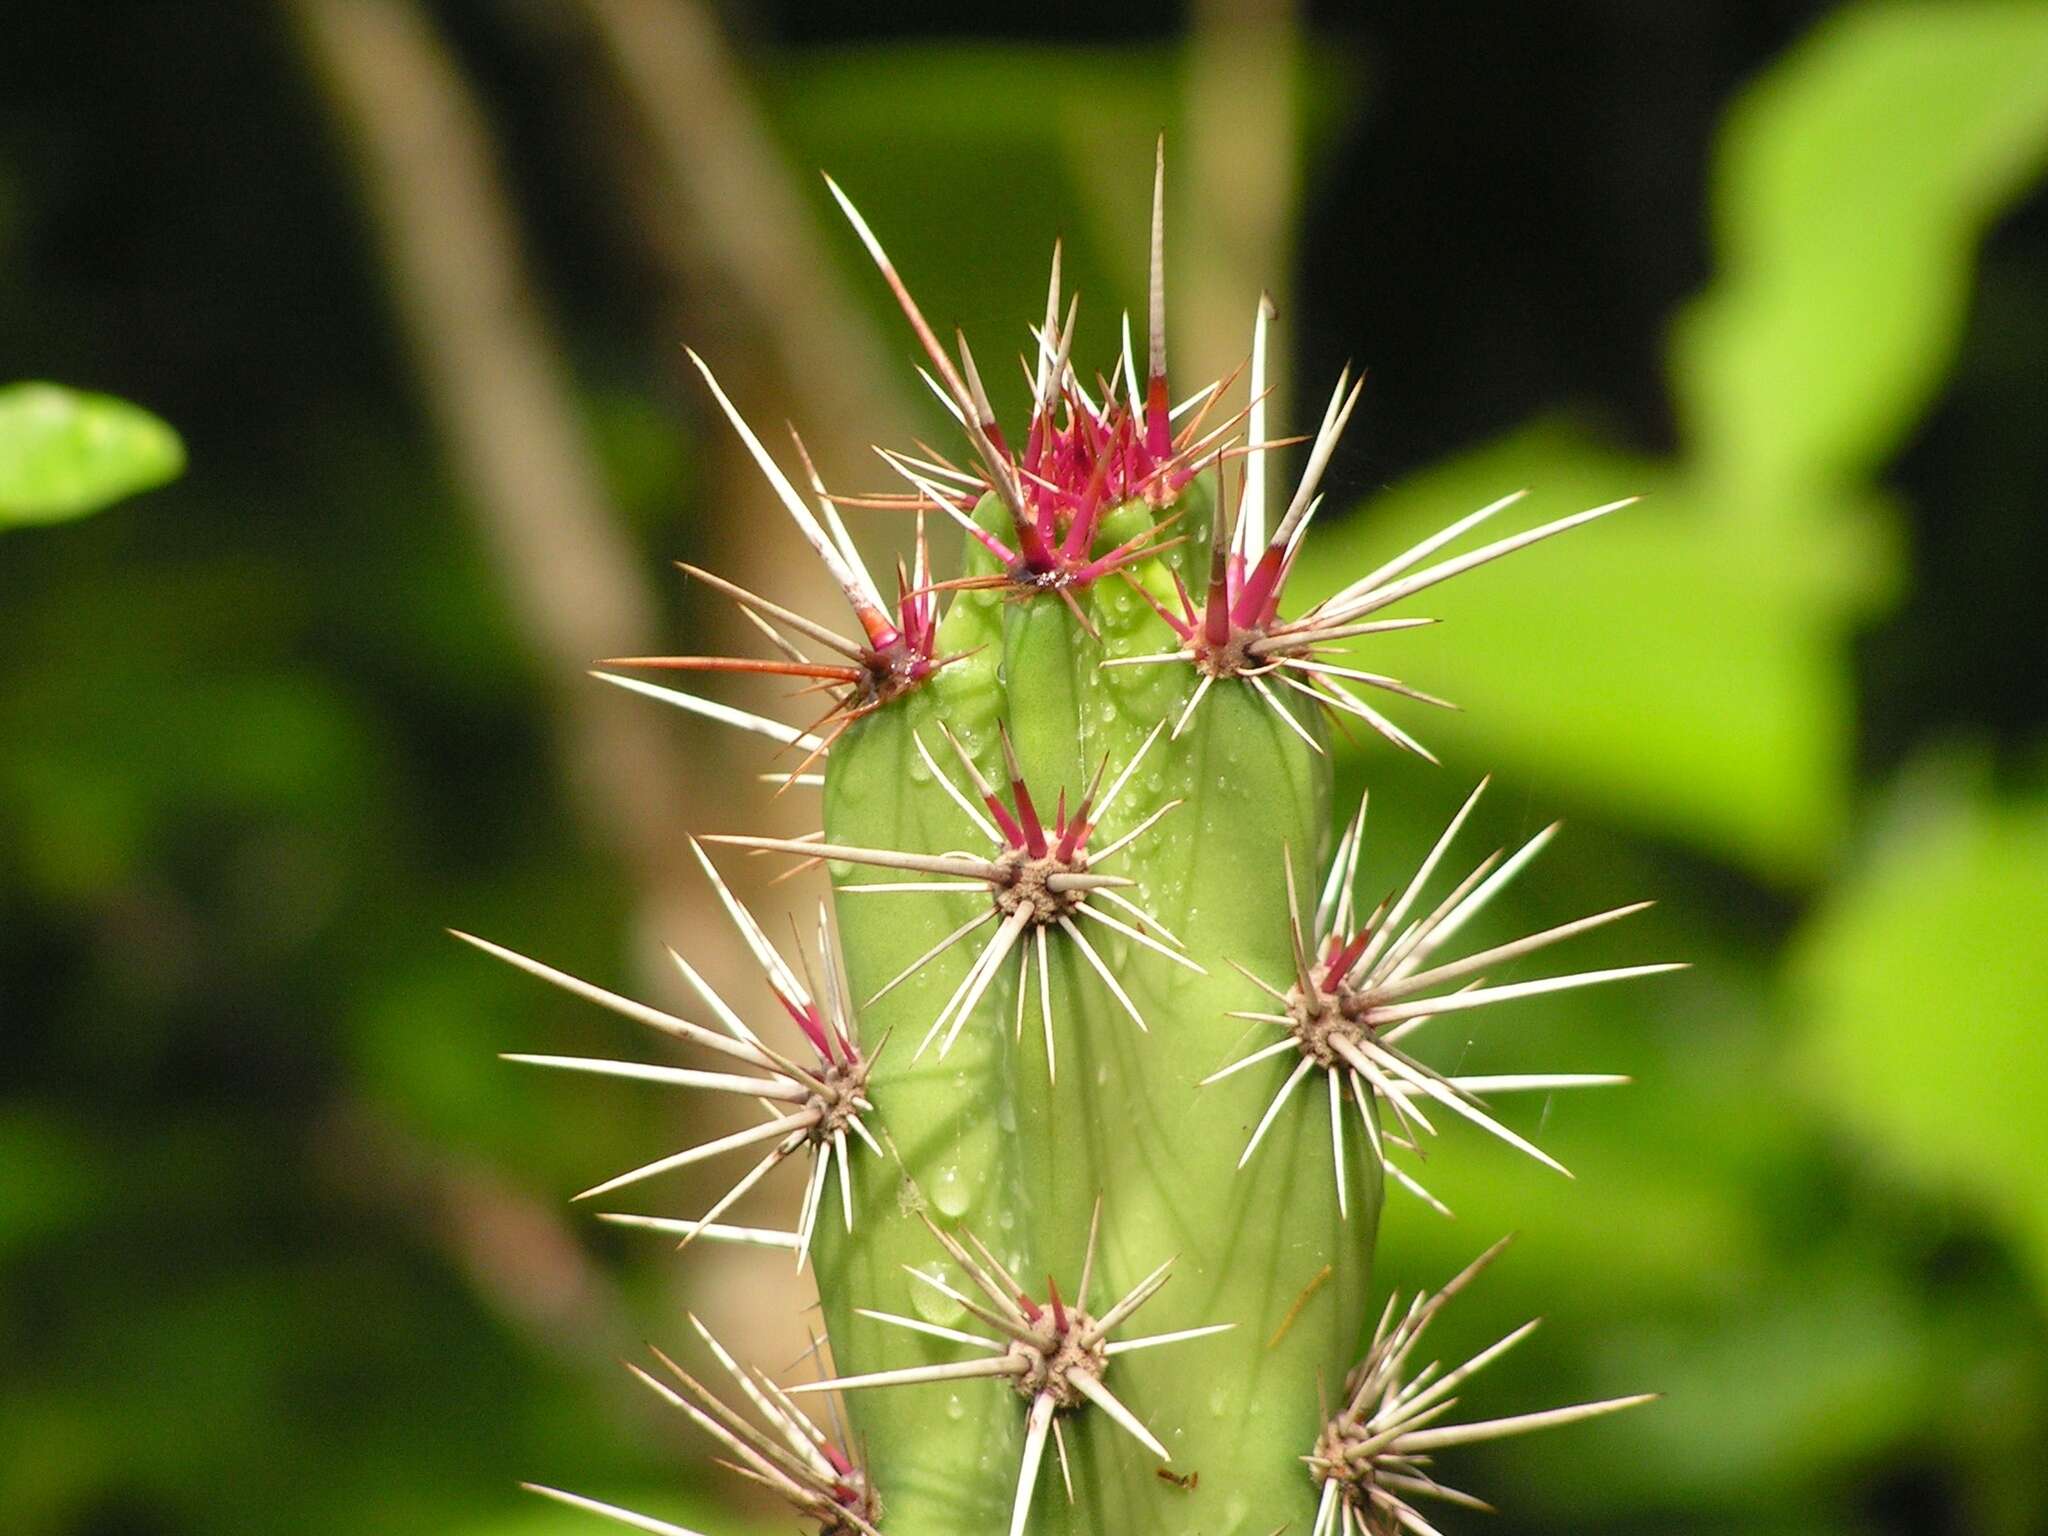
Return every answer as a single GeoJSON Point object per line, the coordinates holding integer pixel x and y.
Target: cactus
{"type": "Point", "coordinates": [1075, 1198]}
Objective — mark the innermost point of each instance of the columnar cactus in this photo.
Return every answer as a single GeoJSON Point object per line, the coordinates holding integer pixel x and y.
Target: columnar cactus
{"type": "Point", "coordinates": [1073, 1184]}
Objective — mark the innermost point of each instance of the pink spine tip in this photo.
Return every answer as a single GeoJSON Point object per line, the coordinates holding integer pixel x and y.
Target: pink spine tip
{"type": "Point", "coordinates": [1158, 419]}
{"type": "Point", "coordinates": [1216, 613]}
{"type": "Point", "coordinates": [1074, 834]}
{"type": "Point", "coordinates": [1005, 822]}
{"type": "Point", "coordinates": [882, 634]}
{"type": "Point", "coordinates": [806, 1019]}
{"type": "Point", "coordinates": [1347, 956]}
{"type": "Point", "coordinates": [1027, 813]}
{"type": "Point", "coordinates": [1263, 583]}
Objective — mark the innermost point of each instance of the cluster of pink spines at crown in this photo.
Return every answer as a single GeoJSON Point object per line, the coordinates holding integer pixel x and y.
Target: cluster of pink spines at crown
{"type": "Point", "coordinates": [1080, 462]}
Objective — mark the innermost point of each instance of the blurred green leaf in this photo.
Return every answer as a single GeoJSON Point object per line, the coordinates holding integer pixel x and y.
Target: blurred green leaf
{"type": "Point", "coordinates": [60, 1178]}
{"type": "Point", "coordinates": [64, 453]}
{"type": "Point", "coordinates": [1685, 662]}
{"type": "Point", "coordinates": [1677, 667]}
{"type": "Point", "coordinates": [1923, 984]}
{"type": "Point", "coordinates": [1852, 185]}
{"type": "Point", "coordinates": [1066, 133]}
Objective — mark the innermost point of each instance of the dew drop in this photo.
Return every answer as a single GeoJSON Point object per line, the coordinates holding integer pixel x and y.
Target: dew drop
{"type": "Point", "coordinates": [928, 1303]}
{"type": "Point", "coordinates": [950, 1193]}
{"type": "Point", "coordinates": [955, 1409]}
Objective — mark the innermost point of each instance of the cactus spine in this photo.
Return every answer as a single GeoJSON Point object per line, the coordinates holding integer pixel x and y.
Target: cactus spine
{"type": "Point", "coordinates": [1103, 1072]}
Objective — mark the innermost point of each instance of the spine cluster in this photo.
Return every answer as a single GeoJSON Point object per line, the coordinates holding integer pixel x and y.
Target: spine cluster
{"type": "Point", "coordinates": [1096, 1064]}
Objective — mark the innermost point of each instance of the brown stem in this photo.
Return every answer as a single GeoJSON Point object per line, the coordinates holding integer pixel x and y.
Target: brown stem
{"type": "Point", "coordinates": [1243, 159]}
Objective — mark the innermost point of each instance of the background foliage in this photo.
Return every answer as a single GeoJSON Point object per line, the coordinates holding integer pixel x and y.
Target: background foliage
{"type": "Point", "coordinates": [283, 1246]}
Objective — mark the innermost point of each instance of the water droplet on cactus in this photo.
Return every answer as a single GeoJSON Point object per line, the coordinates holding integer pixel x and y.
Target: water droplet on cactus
{"type": "Point", "coordinates": [950, 1193]}
{"type": "Point", "coordinates": [930, 1304]}
{"type": "Point", "coordinates": [955, 1409]}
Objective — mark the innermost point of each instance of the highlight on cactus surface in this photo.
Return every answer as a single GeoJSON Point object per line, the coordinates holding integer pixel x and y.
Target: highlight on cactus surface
{"type": "Point", "coordinates": [1100, 750]}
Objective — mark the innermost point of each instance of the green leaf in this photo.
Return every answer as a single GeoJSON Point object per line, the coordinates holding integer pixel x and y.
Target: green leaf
{"type": "Point", "coordinates": [1065, 133]}
{"type": "Point", "coordinates": [64, 453]}
{"type": "Point", "coordinates": [1922, 984]}
{"type": "Point", "coordinates": [1852, 186]}
{"type": "Point", "coordinates": [1680, 668]}
{"type": "Point", "coordinates": [1686, 663]}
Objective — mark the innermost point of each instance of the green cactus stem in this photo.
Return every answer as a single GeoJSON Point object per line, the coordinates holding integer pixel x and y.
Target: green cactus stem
{"type": "Point", "coordinates": [1091, 943]}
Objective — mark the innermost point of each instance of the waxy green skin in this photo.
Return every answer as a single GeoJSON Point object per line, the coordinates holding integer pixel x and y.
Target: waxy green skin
{"type": "Point", "coordinates": [987, 1142]}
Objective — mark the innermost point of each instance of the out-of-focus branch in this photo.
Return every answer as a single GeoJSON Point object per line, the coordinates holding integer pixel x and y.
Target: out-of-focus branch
{"type": "Point", "coordinates": [734, 229]}
{"type": "Point", "coordinates": [524, 1263]}
{"type": "Point", "coordinates": [493, 381]}
{"type": "Point", "coordinates": [1243, 180]}
{"type": "Point", "coordinates": [745, 215]}
{"type": "Point", "coordinates": [519, 1255]}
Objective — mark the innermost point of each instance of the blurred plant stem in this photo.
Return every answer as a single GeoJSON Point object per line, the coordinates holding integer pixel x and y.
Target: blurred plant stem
{"type": "Point", "coordinates": [521, 1257]}
{"type": "Point", "coordinates": [746, 272]}
{"type": "Point", "coordinates": [740, 211]}
{"type": "Point", "coordinates": [493, 379]}
{"type": "Point", "coordinates": [1243, 158]}
{"type": "Point", "coordinates": [517, 1251]}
